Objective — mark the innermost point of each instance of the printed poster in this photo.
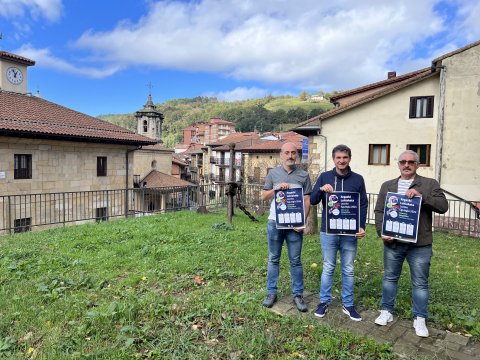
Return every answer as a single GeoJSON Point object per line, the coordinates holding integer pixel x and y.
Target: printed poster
{"type": "Point", "coordinates": [400, 217]}
{"type": "Point", "coordinates": [343, 213]}
{"type": "Point", "coordinates": [289, 210]}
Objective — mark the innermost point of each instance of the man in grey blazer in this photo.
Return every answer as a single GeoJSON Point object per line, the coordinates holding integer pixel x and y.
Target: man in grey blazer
{"type": "Point", "coordinates": [418, 254]}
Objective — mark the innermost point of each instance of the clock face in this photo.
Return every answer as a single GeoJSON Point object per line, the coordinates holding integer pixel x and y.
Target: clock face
{"type": "Point", "coordinates": [14, 75]}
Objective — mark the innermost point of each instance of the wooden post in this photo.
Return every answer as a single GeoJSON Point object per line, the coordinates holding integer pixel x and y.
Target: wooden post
{"type": "Point", "coordinates": [231, 188]}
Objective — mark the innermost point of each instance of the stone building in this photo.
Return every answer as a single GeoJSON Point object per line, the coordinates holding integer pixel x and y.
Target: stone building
{"type": "Point", "coordinates": [48, 148]}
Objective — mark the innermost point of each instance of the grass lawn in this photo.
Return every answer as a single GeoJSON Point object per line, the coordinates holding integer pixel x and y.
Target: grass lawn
{"type": "Point", "coordinates": [184, 285]}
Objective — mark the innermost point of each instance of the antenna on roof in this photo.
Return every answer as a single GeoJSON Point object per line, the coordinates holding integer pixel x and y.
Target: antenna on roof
{"type": "Point", "coordinates": [37, 94]}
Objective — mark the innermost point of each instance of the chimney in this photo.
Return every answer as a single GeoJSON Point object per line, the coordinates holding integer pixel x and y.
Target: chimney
{"type": "Point", "coordinates": [392, 74]}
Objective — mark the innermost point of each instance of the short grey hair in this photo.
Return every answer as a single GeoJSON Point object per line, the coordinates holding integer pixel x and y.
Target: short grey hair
{"type": "Point", "coordinates": [289, 143]}
{"type": "Point", "coordinates": [411, 152]}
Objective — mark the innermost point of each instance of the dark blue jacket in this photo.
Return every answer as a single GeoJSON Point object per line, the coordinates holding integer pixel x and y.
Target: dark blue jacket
{"type": "Point", "coordinates": [351, 181]}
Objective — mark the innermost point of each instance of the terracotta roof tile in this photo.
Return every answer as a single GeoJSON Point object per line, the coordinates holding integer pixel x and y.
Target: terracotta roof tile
{"type": "Point", "coordinates": [237, 137]}
{"type": "Point", "coordinates": [238, 145]}
{"type": "Point", "coordinates": [469, 46]}
{"type": "Point", "coordinates": [273, 146]}
{"type": "Point", "coordinates": [157, 147]}
{"type": "Point", "coordinates": [220, 121]}
{"type": "Point", "coordinates": [195, 149]}
{"type": "Point", "coordinates": [378, 86]}
{"type": "Point", "coordinates": [179, 159]}
{"type": "Point", "coordinates": [25, 115]}
{"type": "Point", "coordinates": [370, 92]}
{"type": "Point", "coordinates": [157, 179]}
{"type": "Point", "coordinates": [16, 58]}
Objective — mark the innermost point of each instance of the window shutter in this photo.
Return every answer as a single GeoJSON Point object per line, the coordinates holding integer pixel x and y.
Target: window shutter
{"type": "Point", "coordinates": [429, 106]}
{"type": "Point", "coordinates": [413, 107]}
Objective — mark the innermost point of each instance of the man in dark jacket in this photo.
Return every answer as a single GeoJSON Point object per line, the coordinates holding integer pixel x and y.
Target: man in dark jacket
{"type": "Point", "coordinates": [341, 178]}
{"type": "Point", "coordinates": [417, 254]}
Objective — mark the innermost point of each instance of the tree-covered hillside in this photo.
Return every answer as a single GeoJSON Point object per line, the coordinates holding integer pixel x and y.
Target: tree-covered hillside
{"type": "Point", "coordinates": [267, 114]}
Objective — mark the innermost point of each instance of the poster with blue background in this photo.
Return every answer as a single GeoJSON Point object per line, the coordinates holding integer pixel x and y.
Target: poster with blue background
{"type": "Point", "coordinates": [343, 213]}
{"type": "Point", "coordinates": [289, 209]}
{"type": "Point", "coordinates": [400, 217]}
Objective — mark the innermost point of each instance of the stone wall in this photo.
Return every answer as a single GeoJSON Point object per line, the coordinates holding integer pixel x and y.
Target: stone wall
{"type": "Point", "coordinates": [60, 166]}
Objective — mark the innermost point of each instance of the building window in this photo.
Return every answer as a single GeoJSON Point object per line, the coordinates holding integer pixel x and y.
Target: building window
{"type": "Point", "coordinates": [22, 225]}
{"type": "Point", "coordinates": [379, 154]}
{"type": "Point", "coordinates": [145, 126]}
{"type": "Point", "coordinates": [101, 166]}
{"type": "Point", "coordinates": [101, 214]}
{"type": "Point", "coordinates": [22, 166]}
{"type": "Point", "coordinates": [421, 107]}
{"type": "Point", "coordinates": [423, 151]}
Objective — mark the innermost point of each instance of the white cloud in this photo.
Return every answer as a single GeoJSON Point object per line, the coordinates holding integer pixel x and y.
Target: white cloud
{"type": "Point", "coordinates": [44, 58]}
{"type": "Point", "coordinates": [239, 93]}
{"type": "Point", "coordinates": [48, 9]}
{"type": "Point", "coordinates": [307, 44]}
{"type": "Point", "coordinates": [469, 12]}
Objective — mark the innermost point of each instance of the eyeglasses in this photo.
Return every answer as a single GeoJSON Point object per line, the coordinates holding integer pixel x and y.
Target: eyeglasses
{"type": "Point", "coordinates": [409, 162]}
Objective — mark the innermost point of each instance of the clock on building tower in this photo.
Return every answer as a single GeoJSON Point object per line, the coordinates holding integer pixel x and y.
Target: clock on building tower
{"type": "Point", "coordinates": [13, 72]}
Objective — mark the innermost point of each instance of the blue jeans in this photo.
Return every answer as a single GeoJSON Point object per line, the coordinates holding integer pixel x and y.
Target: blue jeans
{"type": "Point", "coordinates": [418, 259]}
{"type": "Point", "coordinates": [331, 244]}
{"type": "Point", "coordinates": [294, 241]}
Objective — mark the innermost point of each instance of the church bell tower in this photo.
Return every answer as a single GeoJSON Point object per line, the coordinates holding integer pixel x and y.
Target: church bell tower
{"type": "Point", "coordinates": [150, 120]}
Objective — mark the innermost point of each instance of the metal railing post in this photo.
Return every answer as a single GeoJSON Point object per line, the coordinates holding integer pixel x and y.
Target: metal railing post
{"type": "Point", "coordinates": [9, 215]}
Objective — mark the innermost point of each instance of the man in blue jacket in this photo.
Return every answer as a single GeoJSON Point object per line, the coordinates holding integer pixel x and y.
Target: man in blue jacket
{"type": "Point", "coordinates": [341, 178]}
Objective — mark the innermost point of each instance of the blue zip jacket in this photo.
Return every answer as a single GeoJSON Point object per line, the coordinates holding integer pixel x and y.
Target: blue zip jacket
{"type": "Point", "coordinates": [351, 181]}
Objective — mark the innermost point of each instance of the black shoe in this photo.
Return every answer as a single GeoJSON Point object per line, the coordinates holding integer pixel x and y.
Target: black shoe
{"type": "Point", "coordinates": [322, 310]}
{"type": "Point", "coordinates": [299, 303]}
{"type": "Point", "coordinates": [352, 312]}
{"type": "Point", "coordinates": [270, 300]}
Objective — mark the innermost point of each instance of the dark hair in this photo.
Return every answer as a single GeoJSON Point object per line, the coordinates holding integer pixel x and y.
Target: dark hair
{"type": "Point", "coordinates": [341, 148]}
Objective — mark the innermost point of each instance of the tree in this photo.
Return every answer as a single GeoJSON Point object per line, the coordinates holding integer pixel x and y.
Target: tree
{"type": "Point", "coordinates": [303, 96]}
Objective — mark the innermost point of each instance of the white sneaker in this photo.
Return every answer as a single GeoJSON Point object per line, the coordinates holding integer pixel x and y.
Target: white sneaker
{"type": "Point", "coordinates": [384, 318]}
{"type": "Point", "coordinates": [420, 327]}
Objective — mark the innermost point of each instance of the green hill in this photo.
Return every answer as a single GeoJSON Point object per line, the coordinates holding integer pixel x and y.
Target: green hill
{"type": "Point", "coordinates": [266, 114]}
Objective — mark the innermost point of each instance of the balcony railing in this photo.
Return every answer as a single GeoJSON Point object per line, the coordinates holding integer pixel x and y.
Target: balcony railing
{"type": "Point", "coordinates": [226, 162]}
{"type": "Point", "coordinates": [219, 178]}
{"type": "Point", "coordinates": [40, 211]}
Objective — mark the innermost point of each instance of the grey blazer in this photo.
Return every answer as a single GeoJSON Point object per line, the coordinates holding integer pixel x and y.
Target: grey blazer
{"type": "Point", "coordinates": [433, 200]}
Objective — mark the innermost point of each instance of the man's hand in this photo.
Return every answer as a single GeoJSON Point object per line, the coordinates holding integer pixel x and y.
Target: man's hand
{"type": "Point", "coordinates": [327, 188]}
{"type": "Point", "coordinates": [299, 230]}
{"type": "Point", "coordinates": [410, 193]}
{"type": "Point", "coordinates": [388, 239]}
{"type": "Point", "coordinates": [361, 233]}
{"type": "Point", "coordinates": [282, 186]}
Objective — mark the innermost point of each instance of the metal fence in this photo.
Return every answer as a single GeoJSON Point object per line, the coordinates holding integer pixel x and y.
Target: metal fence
{"type": "Point", "coordinates": [19, 213]}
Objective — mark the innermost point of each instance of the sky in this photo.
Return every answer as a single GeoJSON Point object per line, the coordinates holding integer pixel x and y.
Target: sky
{"type": "Point", "coordinates": [105, 56]}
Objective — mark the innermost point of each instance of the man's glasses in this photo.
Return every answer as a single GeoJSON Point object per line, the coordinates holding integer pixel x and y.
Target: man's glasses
{"type": "Point", "coordinates": [409, 162]}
